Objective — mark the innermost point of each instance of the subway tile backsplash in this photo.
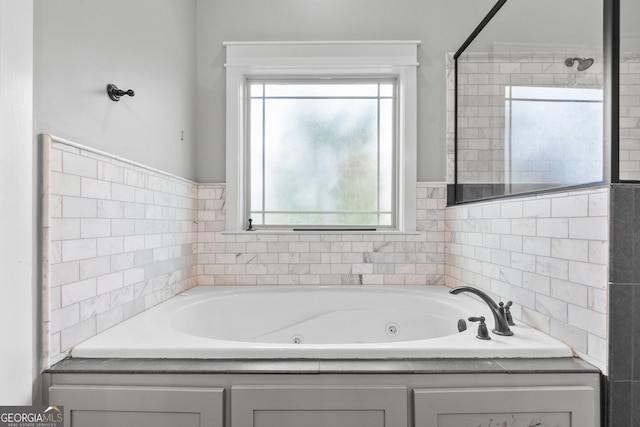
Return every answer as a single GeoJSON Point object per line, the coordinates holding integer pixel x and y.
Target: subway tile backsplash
{"type": "Point", "coordinates": [321, 258]}
{"type": "Point", "coordinates": [120, 238]}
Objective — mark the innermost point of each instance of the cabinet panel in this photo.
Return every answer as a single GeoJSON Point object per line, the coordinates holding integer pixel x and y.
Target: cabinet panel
{"type": "Point", "coordinates": [287, 406]}
{"type": "Point", "coordinates": [574, 406]}
{"type": "Point", "coordinates": [133, 419]}
{"type": "Point", "coordinates": [559, 419]}
{"type": "Point", "coordinates": [124, 406]}
{"type": "Point", "coordinates": [323, 418]}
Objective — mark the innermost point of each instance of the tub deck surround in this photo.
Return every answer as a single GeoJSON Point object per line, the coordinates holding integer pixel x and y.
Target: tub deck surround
{"type": "Point", "coordinates": [119, 237]}
{"type": "Point", "coordinates": [126, 366]}
{"type": "Point", "coordinates": [313, 322]}
{"type": "Point", "coordinates": [321, 384]}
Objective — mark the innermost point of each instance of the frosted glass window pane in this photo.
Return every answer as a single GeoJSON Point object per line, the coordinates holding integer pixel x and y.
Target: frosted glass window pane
{"type": "Point", "coordinates": [386, 90]}
{"type": "Point", "coordinates": [386, 154]}
{"type": "Point", "coordinates": [325, 219]}
{"type": "Point", "coordinates": [555, 142]}
{"type": "Point", "coordinates": [256, 90]}
{"type": "Point", "coordinates": [256, 153]}
{"type": "Point", "coordinates": [558, 93]}
{"type": "Point", "coordinates": [321, 90]}
{"type": "Point", "coordinates": [386, 219]}
{"type": "Point", "coordinates": [322, 154]}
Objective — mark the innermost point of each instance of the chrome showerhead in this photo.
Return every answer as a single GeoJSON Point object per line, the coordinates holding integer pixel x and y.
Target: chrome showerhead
{"type": "Point", "coordinates": [583, 63]}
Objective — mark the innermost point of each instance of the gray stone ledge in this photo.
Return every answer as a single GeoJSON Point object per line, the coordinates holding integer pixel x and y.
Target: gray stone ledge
{"type": "Point", "coordinates": [321, 366]}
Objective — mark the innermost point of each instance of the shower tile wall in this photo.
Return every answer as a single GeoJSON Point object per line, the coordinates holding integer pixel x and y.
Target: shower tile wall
{"type": "Point", "coordinates": [630, 116]}
{"type": "Point", "coordinates": [624, 319]}
{"type": "Point", "coordinates": [547, 253]}
{"type": "Point", "coordinates": [483, 79]}
{"type": "Point", "coordinates": [321, 259]}
{"type": "Point", "coordinates": [117, 239]}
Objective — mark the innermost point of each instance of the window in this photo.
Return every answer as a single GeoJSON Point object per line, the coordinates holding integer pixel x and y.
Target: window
{"type": "Point", "coordinates": [553, 135]}
{"type": "Point", "coordinates": [321, 153]}
{"type": "Point", "coordinates": [321, 135]}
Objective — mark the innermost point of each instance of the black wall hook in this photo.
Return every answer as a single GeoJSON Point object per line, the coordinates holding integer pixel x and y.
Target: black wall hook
{"type": "Point", "coordinates": [115, 93]}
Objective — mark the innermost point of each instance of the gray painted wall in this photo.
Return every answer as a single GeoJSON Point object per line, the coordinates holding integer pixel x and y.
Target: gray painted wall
{"type": "Point", "coordinates": [171, 53]}
{"type": "Point", "coordinates": [441, 25]}
{"type": "Point", "coordinates": [629, 25]}
{"type": "Point", "coordinates": [145, 45]}
{"type": "Point", "coordinates": [545, 25]}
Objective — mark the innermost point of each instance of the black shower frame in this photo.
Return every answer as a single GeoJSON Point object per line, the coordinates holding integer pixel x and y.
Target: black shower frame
{"type": "Point", "coordinates": [611, 119]}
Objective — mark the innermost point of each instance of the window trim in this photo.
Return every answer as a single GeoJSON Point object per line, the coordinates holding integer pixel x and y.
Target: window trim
{"type": "Point", "coordinates": [259, 60]}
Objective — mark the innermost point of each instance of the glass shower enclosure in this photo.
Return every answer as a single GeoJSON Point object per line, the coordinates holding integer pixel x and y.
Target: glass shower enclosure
{"type": "Point", "coordinates": [531, 101]}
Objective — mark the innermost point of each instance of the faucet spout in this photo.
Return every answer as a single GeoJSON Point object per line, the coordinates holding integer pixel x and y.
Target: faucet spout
{"type": "Point", "coordinates": [501, 325]}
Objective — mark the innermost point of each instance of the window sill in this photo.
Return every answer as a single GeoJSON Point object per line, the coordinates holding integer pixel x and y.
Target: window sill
{"type": "Point", "coordinates": [326, 232]}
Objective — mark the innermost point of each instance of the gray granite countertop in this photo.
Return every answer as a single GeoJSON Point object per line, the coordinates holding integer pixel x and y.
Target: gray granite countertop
{"type": "Point", "coordinates": [324, 366]}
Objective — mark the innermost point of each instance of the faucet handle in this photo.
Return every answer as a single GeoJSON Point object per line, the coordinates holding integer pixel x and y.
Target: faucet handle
{"type": "Point", "coordinates": [462, 325]}
{"type": "Point", "coordinates": [483, 332]}
{"type": "Point", "coordinates": [507, 313]}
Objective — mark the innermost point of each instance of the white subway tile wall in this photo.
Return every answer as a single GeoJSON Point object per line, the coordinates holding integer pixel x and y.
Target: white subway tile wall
{"type": "Point", "coordinates": [630, 116]}
{"type": "Point", "coordinates": [482, 84]}
{"type": "Point", "coordinates": [326, 258]}
{"type": "Point", "coordinates": [547, 253]}
{"type": "Point", "coordinates": [118, 239]}
{"type": "Point", "coordinates": [483, 81]}
{"type": "Point", "coordinates": [123, 238]}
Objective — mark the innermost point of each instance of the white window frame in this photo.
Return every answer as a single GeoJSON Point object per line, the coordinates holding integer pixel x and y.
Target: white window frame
{"type": "Point", "coordinates": [247, 60]}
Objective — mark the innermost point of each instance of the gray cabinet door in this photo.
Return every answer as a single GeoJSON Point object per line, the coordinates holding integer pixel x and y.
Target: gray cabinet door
{"type": "Point", "coordinates": [133, 406]}
{"type": "Point", "coordinates": [321, 406]}
{"type": "Point", "coordinates": [572, 406]}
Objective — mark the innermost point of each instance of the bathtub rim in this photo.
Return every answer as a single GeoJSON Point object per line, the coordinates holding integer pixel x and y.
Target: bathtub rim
{"type": "Point", "coordinates": [100, 347]}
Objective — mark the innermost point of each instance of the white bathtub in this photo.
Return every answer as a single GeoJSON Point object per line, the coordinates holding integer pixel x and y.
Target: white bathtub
{"type": "Point", "coordinates": [333, 322]}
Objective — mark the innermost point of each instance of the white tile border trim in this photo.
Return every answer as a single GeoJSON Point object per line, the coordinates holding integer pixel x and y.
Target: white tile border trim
{"type": "Point", "coordinates": [53, 138]}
